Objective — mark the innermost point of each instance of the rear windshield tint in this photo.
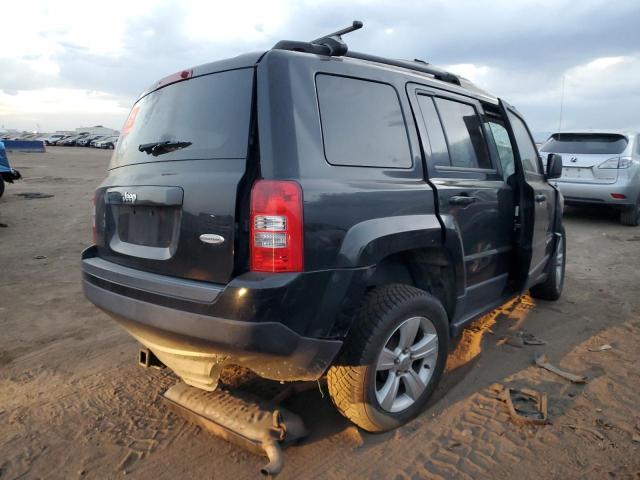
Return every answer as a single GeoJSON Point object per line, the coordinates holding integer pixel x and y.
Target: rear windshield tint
{"type": "Point", "coordinates": [212, 112]}
{"type": "Point", "coordinates": [585, 143]}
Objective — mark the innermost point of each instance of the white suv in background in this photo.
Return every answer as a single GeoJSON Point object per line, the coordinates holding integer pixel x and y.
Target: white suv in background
{"type": "Point", "coordinates": [600, 167]}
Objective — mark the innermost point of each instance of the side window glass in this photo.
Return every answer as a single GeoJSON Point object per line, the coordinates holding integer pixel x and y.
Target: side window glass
{"type": "Point", "coordinates": [528, 152]}
{"type": "Point", "coordinates": [463, 131]}
{"type": "Point", "coordinates": [638, 144]}
{"type": "Point", "coordinates": [503, 145]}
{"type": "Point", "coordinates": [439, 153]}
{"type": "Point", "coordinates": [362, 123]}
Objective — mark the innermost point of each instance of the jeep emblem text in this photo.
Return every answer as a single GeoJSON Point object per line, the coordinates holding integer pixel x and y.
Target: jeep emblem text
{"type": "Point", "coordinates": [128, 197]}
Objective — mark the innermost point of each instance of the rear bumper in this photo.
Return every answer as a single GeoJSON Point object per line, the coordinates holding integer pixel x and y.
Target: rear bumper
{"type": "Point", "coordinates": [598, 194]}
{"type": "Point", "coordinates": [197, 342]}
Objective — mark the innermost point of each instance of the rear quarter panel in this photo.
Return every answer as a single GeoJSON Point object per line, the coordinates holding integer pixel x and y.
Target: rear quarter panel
{"type": "Point", "coordinates": [353, 216]}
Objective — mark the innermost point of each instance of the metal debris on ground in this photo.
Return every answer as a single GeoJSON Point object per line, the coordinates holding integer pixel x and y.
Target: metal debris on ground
{"type": "Point", "coordinates": [40, 257]}
{"type": "Point", "coordinates": [541, 361]}
{"type": "Point", "coordinates": [32, 195]}
{"type": "Point", "coordinates": [526, 406]}
{"type": "Point", "coordinates": [513, 340]}
{"type": "Point", "coordinates": [530, 339]}
{"type": "Point", "coordinates": [520, 339]}
{"type": "Point", "coordinates": [604, 424]}
{"type": "Point", "coordinates": [601, 348]}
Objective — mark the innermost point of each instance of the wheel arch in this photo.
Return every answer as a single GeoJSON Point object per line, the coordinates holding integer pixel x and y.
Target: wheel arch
{"type": "Point", "coordinates": [409, 249]}
{"type": "Point", "coordinates": [429, 268]}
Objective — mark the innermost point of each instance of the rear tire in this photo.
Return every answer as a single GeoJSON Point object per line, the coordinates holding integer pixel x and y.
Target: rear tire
{"type": "Point", "coordinates": [394, 356]}
{"type": "Point", "coordinates": [1, 186]}
{"type": "Point", "coordinates": [551, 288]}
{"type": "Point", "coordinates": [631, 215]}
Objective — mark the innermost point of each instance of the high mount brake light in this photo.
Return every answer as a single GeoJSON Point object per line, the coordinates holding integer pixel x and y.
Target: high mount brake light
{"type": "Point", "coordinates": [276, 234]}
{"type": "Point", "coordinates": [175, 77]}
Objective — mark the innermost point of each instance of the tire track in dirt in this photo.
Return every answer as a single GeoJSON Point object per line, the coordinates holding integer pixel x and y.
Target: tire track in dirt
{"type": "Point", "coordinates": [123, 414]}
{"type": "Point", "coordinates": [477, 443]}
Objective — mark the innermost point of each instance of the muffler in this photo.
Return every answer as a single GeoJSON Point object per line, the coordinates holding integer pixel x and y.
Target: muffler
{"type": "Point", "coordinates": [241, 418]}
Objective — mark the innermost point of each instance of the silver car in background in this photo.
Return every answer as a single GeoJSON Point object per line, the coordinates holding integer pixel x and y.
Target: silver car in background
{"type": "Point", "coordinates": [600, 167]}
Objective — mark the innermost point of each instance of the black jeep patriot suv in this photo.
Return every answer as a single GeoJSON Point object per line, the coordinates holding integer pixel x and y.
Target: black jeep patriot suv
{"type": "Point", "coordinates": [312, 211]}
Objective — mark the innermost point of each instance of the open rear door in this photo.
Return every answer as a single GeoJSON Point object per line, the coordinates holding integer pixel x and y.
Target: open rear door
{"type": "Point", "coordinates": [535, 207]}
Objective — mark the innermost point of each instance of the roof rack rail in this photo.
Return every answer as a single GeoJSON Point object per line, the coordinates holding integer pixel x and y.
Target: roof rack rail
{"type": "Point", "coordinates": [332, 45]}
{"type": "Point", "coordinates": [423, 67]}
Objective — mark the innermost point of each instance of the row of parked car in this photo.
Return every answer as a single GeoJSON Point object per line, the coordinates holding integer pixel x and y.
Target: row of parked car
{"type": "Point", "coordinates": [83, 140]}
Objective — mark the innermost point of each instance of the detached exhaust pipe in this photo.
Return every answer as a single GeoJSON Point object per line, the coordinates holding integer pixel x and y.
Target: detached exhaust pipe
{"type": "Point", "coordinates": [241, 418]}
{"type": "Point", "coordinates": [276, 462]}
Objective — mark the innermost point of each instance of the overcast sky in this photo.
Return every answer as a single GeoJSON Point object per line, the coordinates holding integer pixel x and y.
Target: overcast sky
{"type": "Point", "coordinates": [66, 64]}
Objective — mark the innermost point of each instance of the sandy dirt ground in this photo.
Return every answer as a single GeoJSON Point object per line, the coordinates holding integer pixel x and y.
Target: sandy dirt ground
{"type": "Point", "coordinates": [74, 403]}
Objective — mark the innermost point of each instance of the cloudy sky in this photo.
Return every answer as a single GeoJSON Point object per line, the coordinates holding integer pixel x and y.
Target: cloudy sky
{"type": "Point", "coordinates": [67, 64]}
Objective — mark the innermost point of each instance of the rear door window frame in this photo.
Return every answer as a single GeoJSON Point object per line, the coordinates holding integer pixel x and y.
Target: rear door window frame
{"type": "Point", "coordinates": [414, 90]}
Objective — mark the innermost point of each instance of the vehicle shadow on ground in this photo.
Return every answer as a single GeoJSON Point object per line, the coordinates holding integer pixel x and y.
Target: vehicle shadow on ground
{"type": "Point", "coordinates": [593, 213]}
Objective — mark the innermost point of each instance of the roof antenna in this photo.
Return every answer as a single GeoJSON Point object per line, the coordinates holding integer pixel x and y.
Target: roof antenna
{"type": "Point", "coordinates": [561, 105]}
{"type": "Point", "coordinates": [334, 42]}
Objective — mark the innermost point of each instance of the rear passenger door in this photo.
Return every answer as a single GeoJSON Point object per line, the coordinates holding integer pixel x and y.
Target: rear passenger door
{"type": "Point", "coordinates": [474, 201]}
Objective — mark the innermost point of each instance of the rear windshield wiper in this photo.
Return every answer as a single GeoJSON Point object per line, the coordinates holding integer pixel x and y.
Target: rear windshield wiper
{"type": "Point", "coordinates": [159, 148]}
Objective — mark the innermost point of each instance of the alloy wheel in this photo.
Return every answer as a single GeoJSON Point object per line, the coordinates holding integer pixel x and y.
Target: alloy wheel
{"type": "Point", "coordinates": [405, 364]}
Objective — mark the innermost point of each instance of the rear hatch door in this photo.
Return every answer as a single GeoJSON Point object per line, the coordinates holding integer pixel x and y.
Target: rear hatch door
{"type": "Point", "coordinates": [169, 203]}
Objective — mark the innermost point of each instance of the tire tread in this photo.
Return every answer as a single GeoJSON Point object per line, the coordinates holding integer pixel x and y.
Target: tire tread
{"type": "Point", "coordinates": [547, 290]}
{"type": "Point", "coordinates": [345, 382]}
{"type": "Point", "coordinates": [629, 216]}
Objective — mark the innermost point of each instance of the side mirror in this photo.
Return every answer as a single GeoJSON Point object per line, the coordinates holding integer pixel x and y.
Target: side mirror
{"type": "Point", "coordinates": [554, 166]}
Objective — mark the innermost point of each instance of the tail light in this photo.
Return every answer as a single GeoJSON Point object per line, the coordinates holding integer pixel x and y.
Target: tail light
{"type": "Point", "coordinates": [276, 226]}
{"type": "Point", "coordinates": [617, 162]}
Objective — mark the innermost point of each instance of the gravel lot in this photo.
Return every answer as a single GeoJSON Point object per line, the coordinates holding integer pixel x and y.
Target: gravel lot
{"type": "Point", "coordinates": [74, 403]}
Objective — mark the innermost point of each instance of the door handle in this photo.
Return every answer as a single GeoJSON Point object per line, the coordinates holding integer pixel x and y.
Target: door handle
{"type": "Point", "coordinates": [540, 198]}
{"type": "Point", "coordinates": [461, 200]}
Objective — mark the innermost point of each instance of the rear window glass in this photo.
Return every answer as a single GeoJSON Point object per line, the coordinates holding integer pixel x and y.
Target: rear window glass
{"type": "Point", "coordinates": [362, 123]}
{"type": "Point", "coordinates": [212, 112]}
{"type": "Point", "coordinates": [585, 143]}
